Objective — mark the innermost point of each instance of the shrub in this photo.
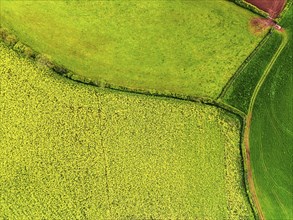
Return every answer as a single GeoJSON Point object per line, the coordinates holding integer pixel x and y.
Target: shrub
{"type": "Point", "coordinates": [10, 40]}
{"type": "Point", "coordinates": [3, 33]}
{"type": "Point", "coordinates": [59, 69]}
{"type": "Point", "coordinates": [19, 47]}
{"type": "Point", "coordinates": [28, 52]}
{"type": "Point", "coordinates": [23, 49]}
{"type": "Point", "coordinates": [45, 60]}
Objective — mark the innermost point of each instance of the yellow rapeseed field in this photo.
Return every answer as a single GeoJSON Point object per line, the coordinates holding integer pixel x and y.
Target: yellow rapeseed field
{"type": "Point", "coordinates": [72, 151]}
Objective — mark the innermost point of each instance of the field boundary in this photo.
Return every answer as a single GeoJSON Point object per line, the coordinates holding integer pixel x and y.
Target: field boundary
{"type": "Point", "coordinates": [286, 8]}
{"type": "Point", "coordinates": [267, 70]}
{"type": "Point", "coordinates": [243, 65]}
{"type": "Point", "coordinates": [247, 123]}
{"type": "Point", "coordinates": [60, 70]}
{"type": "Point", "coordinates": [250, 7]}
{"type": "Point", "coordinates": [11, 41]}
{"type": "Point", "coordinates": [246, 119]}
{"type": "Point", "coordinates": [23, 50]}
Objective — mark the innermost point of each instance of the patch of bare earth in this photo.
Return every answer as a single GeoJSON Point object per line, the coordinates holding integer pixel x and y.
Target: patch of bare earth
{"type": "Point", "coordinates": [259, 25]}
{"type": "Point", "coordinates": [272, 7]}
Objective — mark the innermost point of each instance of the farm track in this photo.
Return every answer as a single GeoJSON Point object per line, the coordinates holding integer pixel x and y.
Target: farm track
{"type": "Point", "coordinates": [267, 70]}
{"type": "Point", "coordinates": [216, 103]}
{"type": "Point", "coordinates": [242, 66]}
{"type": "Point", "coordinates": [203, 100]}
{"type": "Point", "coordinates": [248, 122]}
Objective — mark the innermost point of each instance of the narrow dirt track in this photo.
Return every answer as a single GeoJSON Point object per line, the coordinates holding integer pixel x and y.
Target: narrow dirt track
{"type": "Point", "coordinates": [272, 7]}
{"type": "Point", "coordinates": [249, 169]}
{"type": "Point", "coordinates": [248, 123]}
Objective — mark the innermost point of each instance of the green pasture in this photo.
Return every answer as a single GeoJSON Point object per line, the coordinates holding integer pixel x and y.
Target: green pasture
{"type": "Point", "coordinates": [170, 47]}
{"type": "Point", "coordinates": [271, 135]}
{"type": "Point", "coordinates": [71, 151]}
{"type": "Point", "coordinates": [241, 88]}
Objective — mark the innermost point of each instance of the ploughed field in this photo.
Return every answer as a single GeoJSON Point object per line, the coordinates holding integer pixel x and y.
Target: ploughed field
{"type": "Point", "coordinates": [171, 47]}
{"type": "Point", "coordinates": [272, 7]}
{"type": "Point", "coordinates": [69, 151]}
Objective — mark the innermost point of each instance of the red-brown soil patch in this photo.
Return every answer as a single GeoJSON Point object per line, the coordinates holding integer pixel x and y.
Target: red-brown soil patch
{"type": "Point", "coordinates": [259, 25]}
{"type": "Point", "coordinates": [272, 7]}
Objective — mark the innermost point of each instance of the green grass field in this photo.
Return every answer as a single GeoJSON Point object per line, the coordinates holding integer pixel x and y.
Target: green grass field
{"type": "Point", "coordinates": [171, 47]}
{"type": "Point", "coordinates": [71, 151]}
{"type": "Point", "coordinates": [74, 151]}
{"type": "Point", "coordinates": [240, 90]}
{"type": "Point", "coordinates": [271, 135]}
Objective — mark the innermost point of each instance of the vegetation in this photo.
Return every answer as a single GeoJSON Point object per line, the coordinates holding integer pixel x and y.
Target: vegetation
{"type": "Point", "coordinates": [70, 151]}
{"type": "Point", "coordinates": [271, 135]}
{"type": "Point", "coordinates": [170, 47]}
{"type": "Point", "coordinates": [241, 88]}
{"type": "Point", "coordinates": [250, 7]}
{"type": "Point", "coordinates": [262, 88]}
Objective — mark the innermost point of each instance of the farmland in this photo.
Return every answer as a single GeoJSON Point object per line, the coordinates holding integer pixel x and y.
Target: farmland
{"type": "Point", "coordinates": [262, 89]}
{"type": "Point", "coordinates": [249, 75]}
{"type": "Point", "coordinates": [69, 150]}
{"type": "Point", "coordinates": [272, 7]}
{"type": "Point", "coordinates": [271, 134]}
{"type": "Point", "coordinates": [202, 120]}
{"type": "Point", "coordinates": [171, 47]}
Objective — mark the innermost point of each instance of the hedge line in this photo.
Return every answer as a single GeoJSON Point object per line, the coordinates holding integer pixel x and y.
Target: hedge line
{"type": "Point", "coordinates": [12, 42]}
{"type": "Point", "coordinates": [286, 8]}
{"type": "Point", "coordinates": [221, 96]}
{"type": "Point", "coordinates": [250, 7]}
{"type": "Point", "coordinates": [24, 50]}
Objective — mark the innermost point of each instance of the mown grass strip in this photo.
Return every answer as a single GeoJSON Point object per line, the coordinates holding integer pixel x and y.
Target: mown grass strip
{"type": "Point", "coordinates": [191, 48]}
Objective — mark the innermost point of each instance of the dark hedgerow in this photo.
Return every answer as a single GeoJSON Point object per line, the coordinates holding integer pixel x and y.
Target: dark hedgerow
{"type": "Point", "coordinates": [8, 38]}
{"type": "Point", "coordinates": [24, 50]}
{"type": "Point", "coordinates": [60, 69]}
{"type": "Point", "coordinates": [3, 33]}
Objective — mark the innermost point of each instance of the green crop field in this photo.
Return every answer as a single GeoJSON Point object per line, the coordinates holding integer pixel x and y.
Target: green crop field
{"type": "Point", "coordinates": [263, 89]}
{"type": "Point", "coordinates": [242, 87]}
{"type": "Point", "coordinates": [170, 47]}
{"type": "Point", "coordinates": [271, 135]}
{"type": "Point", "coordinates": [72, 151]}
{"type": "Point", "coordinates": [173, 110]}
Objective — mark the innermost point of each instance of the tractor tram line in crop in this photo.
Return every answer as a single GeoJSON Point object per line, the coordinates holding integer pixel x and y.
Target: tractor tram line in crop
{"type": "Point", "coordinates": [202, 100]}
{"type": "Point", "coordinates": [247, 117]}
{"type": "Point", "coordinates": [247, 121]}
{"type": "Point", "coordinates": [244, 118]}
